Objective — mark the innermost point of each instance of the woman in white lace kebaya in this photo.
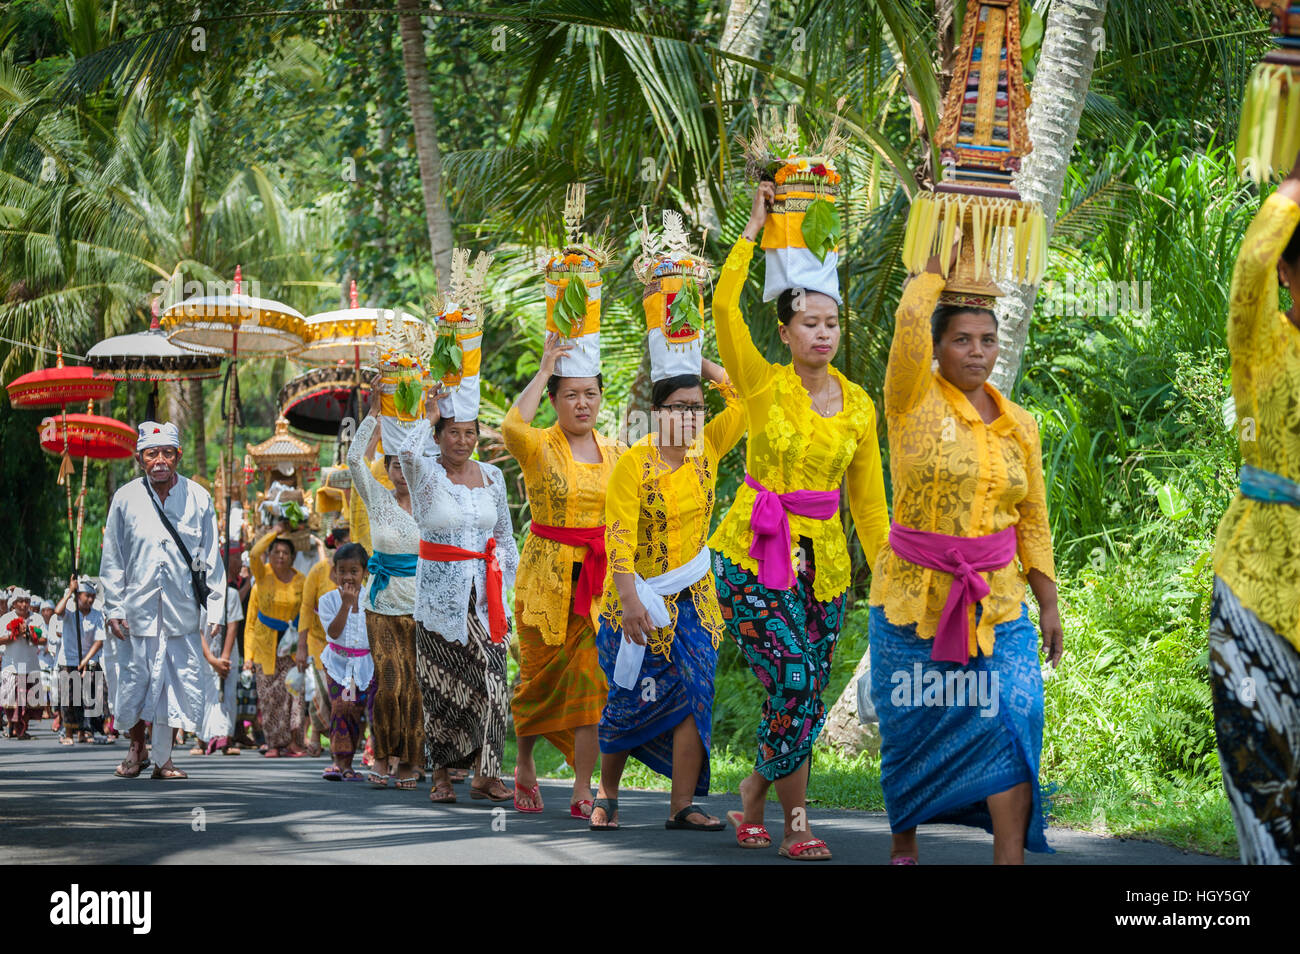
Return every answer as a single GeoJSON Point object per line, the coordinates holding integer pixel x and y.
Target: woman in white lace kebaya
{"type": "Point", "coordinates": [397, 723]}
{"type": "Point", "coordinates": [467, 560]}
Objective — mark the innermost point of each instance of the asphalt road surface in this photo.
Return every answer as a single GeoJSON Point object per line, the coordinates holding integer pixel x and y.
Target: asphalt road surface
{"type": "Point", "coordinates": [62, 804]}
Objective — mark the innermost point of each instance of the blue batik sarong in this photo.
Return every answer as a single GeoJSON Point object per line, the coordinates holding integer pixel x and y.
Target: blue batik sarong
{"type": "Point", "coordinates": [952, 735]}
{"type": "Point", "coordinates": [641, 720]}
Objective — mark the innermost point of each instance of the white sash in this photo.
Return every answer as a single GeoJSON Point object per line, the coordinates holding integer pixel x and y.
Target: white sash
{"type": "Point", "coordinates": [651, 593]}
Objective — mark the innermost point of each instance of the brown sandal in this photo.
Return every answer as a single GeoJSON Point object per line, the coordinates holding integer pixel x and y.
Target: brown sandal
{"type": "Point", "coordinates": [443, 793]}
{"type": "Point", "coordinates": [129, 769]}
{"type": "Point", "coordinates": [167, 774]}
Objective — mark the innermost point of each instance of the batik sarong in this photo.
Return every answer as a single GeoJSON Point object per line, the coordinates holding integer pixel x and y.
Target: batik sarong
{"type": "Point", "coordinates": [1255, 677]}
{"type": "Point", "coordinates": [560, 688]}
{"type": "Point", "coordinates": [952, 735]}
{"type": "Point", "coordinates": [787, 637]}
{"type": "Point", "coordinates": [397, 712]}
{"type": "Point", "coordinates": [465, 697]}
{"type": "Point", "coordinates": [641, 720]}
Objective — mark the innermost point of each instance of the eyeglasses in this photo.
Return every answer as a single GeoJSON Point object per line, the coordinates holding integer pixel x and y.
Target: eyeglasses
{"type": "Point", "coordinates": [685, 408]}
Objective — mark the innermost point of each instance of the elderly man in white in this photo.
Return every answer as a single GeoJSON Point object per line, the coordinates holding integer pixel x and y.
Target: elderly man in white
{"type": "Point", "coordinates": [150, 598]}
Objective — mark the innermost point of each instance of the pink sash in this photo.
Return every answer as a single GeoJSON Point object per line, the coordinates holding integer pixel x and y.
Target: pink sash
{"type": "Point", "coordinates": [964, 558]}
{"type": "Point", "coordinates": [771, 528]}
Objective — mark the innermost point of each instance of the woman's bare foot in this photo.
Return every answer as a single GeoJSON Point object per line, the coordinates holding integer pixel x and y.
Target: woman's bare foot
{"type": "Point", "coordinates": [492, 788]}
{"type": "Point", "coordinates": [753, 796]}
{"type": "Point", "coordinates": [903, 845]}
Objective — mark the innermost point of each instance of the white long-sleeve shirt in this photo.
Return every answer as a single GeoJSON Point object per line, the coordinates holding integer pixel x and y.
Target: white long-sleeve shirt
{"type": "Point", "coordinates": [146, 580]}
{"type": "Point", "coordinates": [462, 517]}
{"type": "Point", "coordinates": [392, 529]}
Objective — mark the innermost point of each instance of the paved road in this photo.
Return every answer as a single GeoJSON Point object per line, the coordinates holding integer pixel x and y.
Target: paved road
{"type": "Point", "coordinates": [61, 804]}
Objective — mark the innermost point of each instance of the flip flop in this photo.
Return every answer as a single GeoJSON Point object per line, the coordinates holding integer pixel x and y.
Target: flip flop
{"type": "Point", "coordinates": [744, 830]}
{"type": "Point", "coordinates": [575, 809]}
{"type": "Point", "coordinates": [532, 792]}
{"type": "Point", "coordinates": [332, 774]}
{"type": "Point", "coordinates": [271, 754]}
{"type": "Point", "coordinates": [610, 807]}
{"type": "Point", "coordinates": [406, 784]}
{"type": "Point", "coordinates": [351, 775]}
{"type": "Point", "coordinates": [679, 823]}
{"type": "Point", "coordinates": [167, 775]}
{"type": "Point", "coordinates": [903, 860]}
{"type": "Point", "coordinates": [799, 851]}
{"type": "Point", "coordinates": [377, 779]}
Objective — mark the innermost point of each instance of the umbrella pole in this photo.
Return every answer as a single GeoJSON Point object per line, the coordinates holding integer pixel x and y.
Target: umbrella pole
{"type": "Point", "coordinates": [230, 465]}
{"type": "Point", "coordinates": [65, 474]}
{"type": "Point", "coordinates": [81, 510]}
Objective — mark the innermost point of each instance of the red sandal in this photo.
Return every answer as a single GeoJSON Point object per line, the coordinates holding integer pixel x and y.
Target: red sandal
{"type": "Point", "coordinates": [744, 831]}
{"type": "Point", "coordinates": [799, 851]}
{"type": "Point", "coordinates": [575, 808]}
{"type": "Point", "coordinates": [532, 792]}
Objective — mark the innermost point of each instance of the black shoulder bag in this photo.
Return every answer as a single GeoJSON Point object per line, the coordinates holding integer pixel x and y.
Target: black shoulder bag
{"type": "Point", "coordinates": [199, 577]}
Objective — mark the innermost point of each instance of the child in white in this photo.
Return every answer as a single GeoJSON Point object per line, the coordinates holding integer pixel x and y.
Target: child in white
{"type": "Point", "coordinates": [349, 668]}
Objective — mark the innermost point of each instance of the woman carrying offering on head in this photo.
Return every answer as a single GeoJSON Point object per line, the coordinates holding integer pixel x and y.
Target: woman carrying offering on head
{"type": "Point", "coordinates": [566, 468]}
{"type": "Point", "coordinates": [948, 596]}
{"type": "Point", "coordinates": [781, 560]}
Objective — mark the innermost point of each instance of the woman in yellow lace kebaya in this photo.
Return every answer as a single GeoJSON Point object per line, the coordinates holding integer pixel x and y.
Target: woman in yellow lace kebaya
{"type": "Point", "coordinates": [279, 589]}
{"type": "Point", "coordinates": [809, 431]}
{"type": "Point", "coordinates": [1255, 611]}
{"type": "Point", "coordinates": [660, 671]}
{"type": "Point", "coordinates": [955, 674]}
{"type": "Point", "coordinates": [566, 467]}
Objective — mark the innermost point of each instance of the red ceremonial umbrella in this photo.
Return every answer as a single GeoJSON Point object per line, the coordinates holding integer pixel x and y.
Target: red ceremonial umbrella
{"type": "Point", "coordinates": [57, 387]}
{"type": "Point", "coordinates": [90, 437]}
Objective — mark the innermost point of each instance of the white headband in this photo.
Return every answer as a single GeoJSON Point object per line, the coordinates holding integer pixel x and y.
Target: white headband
{"type": "Point", "coordinates": [153, 434]}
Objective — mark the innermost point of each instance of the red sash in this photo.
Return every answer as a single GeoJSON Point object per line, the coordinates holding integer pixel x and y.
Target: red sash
{"type": "Point", "coordinates": [445, 553]}
{"type": "Point", "coordinates": [591, 578]}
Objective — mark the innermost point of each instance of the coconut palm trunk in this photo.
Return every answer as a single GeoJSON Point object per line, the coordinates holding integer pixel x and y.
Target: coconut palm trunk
{"type": "Point", "coordinates": [1060, 86]}
{"type": "Point", "coordinates": [410, 26]}
{"type": "Point", "coordinates": [1070, 39]}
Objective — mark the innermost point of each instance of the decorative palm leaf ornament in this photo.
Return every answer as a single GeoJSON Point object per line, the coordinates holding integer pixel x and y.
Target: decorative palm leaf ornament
{"type": "Point", "coordinates": [458, 345]}
{"type": "Point", "coordinates": [1269, 135]}
{"type": "Point", "coordinates": [573, 289]}
{"type": "Point", "coordinates": [674, 305]}
{"type": "Point", "coordinates": [982, 137]}
{"type": "Point", "coordinates": [803, 232]}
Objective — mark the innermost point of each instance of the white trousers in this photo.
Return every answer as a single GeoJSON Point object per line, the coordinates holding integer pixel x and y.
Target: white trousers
{"type": "Point", "coordinates": [160, 682]}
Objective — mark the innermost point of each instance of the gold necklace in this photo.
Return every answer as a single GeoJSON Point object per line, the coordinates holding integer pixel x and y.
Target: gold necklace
{"type": "Point", "coordinates": [818, 406]}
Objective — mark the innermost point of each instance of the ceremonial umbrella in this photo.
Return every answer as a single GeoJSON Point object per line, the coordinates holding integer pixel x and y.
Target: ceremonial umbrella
{"type": "Point", "coordinates": [318, 401]}
{"type": "Point", "coordinates": [90, 437]}
{"type": "Point", "coordinates": [236, 325]}
{"type": "Point", "coordinates": [341, 339]}
{"type": "Point", "coordinates": [57, 387]}
{"type": "Point", "coordinates": [149, 356]}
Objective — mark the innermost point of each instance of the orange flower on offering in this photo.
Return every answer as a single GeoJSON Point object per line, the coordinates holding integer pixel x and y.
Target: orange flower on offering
{"type": "Point", "coordinates": [456, 315]}
{"type": "Point", "coordinates": [572, 259]}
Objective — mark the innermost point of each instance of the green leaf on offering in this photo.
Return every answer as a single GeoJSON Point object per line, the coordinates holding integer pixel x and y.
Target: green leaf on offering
{"type": "Point", "coordinates": [295, 514]}
{"type": "Point", "coordinates": [407, 395]}
{"type": "Point", "coordinates": [821, 228]}
{"type": "Point", "coordinates": [571, 308]}
{"type": "Point", "coordinates": [684, 312]}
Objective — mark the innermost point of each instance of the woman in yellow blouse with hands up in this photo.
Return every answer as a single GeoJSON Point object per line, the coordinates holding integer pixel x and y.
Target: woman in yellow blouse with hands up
{"type": "Point", "coordinates": [947, 596]}
{"type": "Point", "coordinates": [810, 430]}
{"type": "Point", "coordinates": [561, 571]}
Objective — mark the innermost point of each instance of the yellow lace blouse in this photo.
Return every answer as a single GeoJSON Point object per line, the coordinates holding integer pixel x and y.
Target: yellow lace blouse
{"type": "Point", "coordinates": [274, 598]}
{"type": "Point", "coordinates": [1257, 548]}
{"type": "Point", "coordinates": [792, 447]}
{"type": "Point", "coordinates": [562, 492]}
{"type": "Point", "coordinates": [954, 474]}
{"type": "Point", "coordinates": [657, 520]}
{"type": "Point", "coordinates": [317, 584]}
